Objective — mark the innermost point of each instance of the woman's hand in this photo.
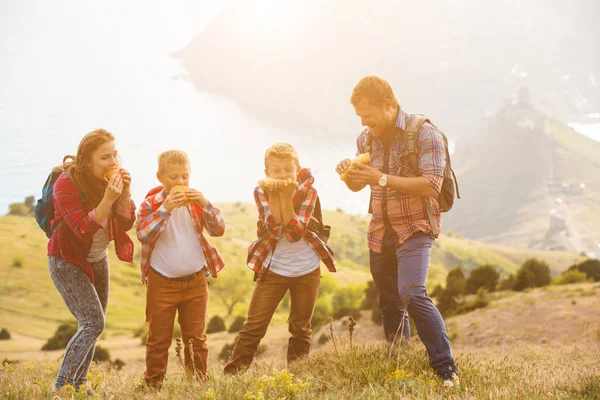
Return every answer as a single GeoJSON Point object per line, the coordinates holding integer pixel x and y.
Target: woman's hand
{"type": "Point", "coordinates": [114, 188]}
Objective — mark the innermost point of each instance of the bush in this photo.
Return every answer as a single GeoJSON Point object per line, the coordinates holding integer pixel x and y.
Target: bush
{"type": "Point", "coordinates": [484, 276]}
{"type": "Point", "coordinates": [437, 291]}
{"type": "Point", "coordinates": [346, 312]}
{"type": "Point", "coordinates": [216, 324]}
{"type": "Point", "coordinates": [63, 334]}
{"type": "Point", "coordinates": [226, 351]}
{"type": "Point", "coordinates": [101, 354]}
{"type": "Point", "coordinates": [371, 299]}
{"type": "Point", "coordinates": [347, 297]}
{"type": "Point", "coordinates": [572, 276]}
{"type": "Point", "coordinates": [590, 267]}
{"type": "Point", "coordinates": [237, 324]}
{"type": "Point", "coordinates": [523, 280]}
{"type": "Point", "coordinates": [479, 301]}
{"type": "Point", "coordinates": [118, 364]}
{"type": "Point", "coordinates": [507, 283]}
{"type": "Point", "coordinates": [455, 282]}
{"type": "Point", "coordinates": [18, 262]}
{"type": "Point", "coordinates": [4, 334]}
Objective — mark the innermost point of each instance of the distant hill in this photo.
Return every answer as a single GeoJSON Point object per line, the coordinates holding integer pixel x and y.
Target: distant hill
{"type": "Point", "coordinates": [529, 181]}
{"type": "Point", "coordinates": [297, 62]}
{"type": "Point", "coordinates": [30, 305]}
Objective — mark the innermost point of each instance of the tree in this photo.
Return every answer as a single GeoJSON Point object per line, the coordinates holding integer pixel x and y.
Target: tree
{"type": "Point", "coordinates": [455, 282]}
{"type": "Point", "coordinates": [507, 283]}
{"type": "Point", "coordinates": [232, 289]}
{"type": "Point", "coordinates": [540, 271]}
{"type": "Point", "coordinates": [524, 279]}
{"type": "Point", "coordinates": [590, 267]}
{"type": "Point", "coordinates": [484, 276]}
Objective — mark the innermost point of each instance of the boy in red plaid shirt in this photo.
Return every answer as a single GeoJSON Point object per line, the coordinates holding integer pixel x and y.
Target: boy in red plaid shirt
{"type": "Point", "coordinates": [176, 259]}
{"type": "Point", "coordinates": [286, 256]}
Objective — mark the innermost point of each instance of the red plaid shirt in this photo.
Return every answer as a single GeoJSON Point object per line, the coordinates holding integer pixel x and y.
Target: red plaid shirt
{"type": "Point", "coordinates": [154, 219]}
{"type": "Point", "coordinates": [269, 231]}
{"type": "Point", "coordinates": [404, 213]}
{"type": "Point", "coordinates": [72, 241]}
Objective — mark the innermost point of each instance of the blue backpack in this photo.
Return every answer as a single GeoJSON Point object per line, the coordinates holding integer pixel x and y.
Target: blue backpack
{"type": "Point", "coordinates": [44, 209]}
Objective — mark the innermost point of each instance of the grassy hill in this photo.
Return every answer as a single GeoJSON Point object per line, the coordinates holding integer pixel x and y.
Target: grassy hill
{"type": "Point", "coordinates": [30, 305]}
{"type": "Point", "coordinates": [544, 343]}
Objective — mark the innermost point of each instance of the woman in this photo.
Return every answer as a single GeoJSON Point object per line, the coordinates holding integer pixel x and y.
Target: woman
{"type": "Point", "coordinates": [90, 211]}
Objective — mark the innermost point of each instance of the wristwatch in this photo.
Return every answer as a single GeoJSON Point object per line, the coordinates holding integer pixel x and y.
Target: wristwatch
{"type": "Point", "coordinates": [383, 180]}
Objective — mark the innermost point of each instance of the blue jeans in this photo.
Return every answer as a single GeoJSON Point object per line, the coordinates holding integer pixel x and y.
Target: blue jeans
{"type": "Point", "coordinates": [399, 273]}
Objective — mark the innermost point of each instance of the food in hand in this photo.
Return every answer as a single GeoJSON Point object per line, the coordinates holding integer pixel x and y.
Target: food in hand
{"type": "Point", "coordinates": [182, 189]}
{"type": "Point", "coordinates": [270, 182]}
{"type": "Point", "coordinates": [108, 174]}
{"type": "Point", "coordinates": [364, 158]}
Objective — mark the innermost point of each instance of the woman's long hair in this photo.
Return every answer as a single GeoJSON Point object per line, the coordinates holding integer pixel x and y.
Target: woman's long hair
{"type": "Point", "coordinates": [79, 172]}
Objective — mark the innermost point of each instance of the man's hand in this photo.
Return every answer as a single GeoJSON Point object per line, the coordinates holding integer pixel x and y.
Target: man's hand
{"type": "Point", "coordinates": [197, 197]}
{"type": "Point", "coordinates": [364, 174]}
{"type": "Point", "coordinates": [343, 165]}
{"type": "Point", "coordinates": [174, 200]}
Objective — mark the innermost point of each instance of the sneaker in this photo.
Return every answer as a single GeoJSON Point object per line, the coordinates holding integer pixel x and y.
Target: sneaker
{"type": "Point", "coordinates": [450, 377]}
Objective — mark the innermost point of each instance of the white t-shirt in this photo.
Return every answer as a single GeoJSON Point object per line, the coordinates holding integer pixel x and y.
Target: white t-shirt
{"type": "Point", "coordinates": [293, 259]}
{"type": "Point", "coordinates": [99, 249]}
{"type": "Point", "coordinates": [178, 251]}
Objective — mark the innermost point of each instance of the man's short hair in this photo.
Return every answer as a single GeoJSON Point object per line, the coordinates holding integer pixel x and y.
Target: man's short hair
{"type": "Point", "coordinates": [282, 150]}
{"type": "Point", "coordinates": [375, 89]}
{"type": "Point", "coordinates": [172, 157]}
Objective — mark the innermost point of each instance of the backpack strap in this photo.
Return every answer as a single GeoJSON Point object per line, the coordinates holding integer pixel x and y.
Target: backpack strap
{"type": "Point", "coordinates": [414, 124]}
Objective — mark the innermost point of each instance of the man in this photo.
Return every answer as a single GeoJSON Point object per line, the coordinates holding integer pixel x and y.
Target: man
{"type": "Point", "coordinates": [400, 233]}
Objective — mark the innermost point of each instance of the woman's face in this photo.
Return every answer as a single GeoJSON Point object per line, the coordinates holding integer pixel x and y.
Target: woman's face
{"type": "Point", "coordinates": [102, 159]}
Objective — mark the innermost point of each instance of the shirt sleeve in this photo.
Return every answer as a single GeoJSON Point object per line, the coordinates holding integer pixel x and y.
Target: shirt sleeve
{"type": "Point", "coordinates": [213, 221]}
{"type": "Point", "coordinates": [266, 218]}
{"type": "Point", "coordinates": [432, 156]}
{"type": "Point", "coordinates": [298, 225]}
{"type": "Point", "coordinates": [151, 222]}
{"type": "Point", "coordinates": [68, 204]}
{"type": "Point", "coordinates": [125, 218]}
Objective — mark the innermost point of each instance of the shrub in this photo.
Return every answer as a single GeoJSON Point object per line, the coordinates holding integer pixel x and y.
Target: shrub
{"type": "Point", "coordinates": [524, 279]}
{"type": "Point", "coordinates": [479, 301]}
{"type": "Point", "coordinates": [590, 267]}
{"type": "Point", "coordinates": [226, 351]}
{"type": "Point", "coordinates": [18, 262]}
{"type": "Point", "coordinates": [437, 291]}
{"type": "Point", "coordinates": [507, 283]}
{"type": "Point", "coordinates": [371, 299]}
{"type": "Point", "coordinates": [455, 282]}
{"type": "Point", "coordinates": [4, 334]}
{"type": "Point", "coordinates": [572, 276]}
{"type": "Point", "coordinates": [237, 324]}
{"type": "Point", "coordinates": [61, 337]}
{"type": "Point", "coordinates": [118, 364]}
{"type": "Point", "coordinates": [484, 276]}
{"type": "Point", "coordinates": [216, 324]}
{"type": "Point", "coordinates": [346, 312]}
{"type": "Point", "coordinates": [101, 354]}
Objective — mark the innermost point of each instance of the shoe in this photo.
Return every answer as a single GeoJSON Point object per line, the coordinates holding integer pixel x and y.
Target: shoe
{"type": "Point", "coordinates": [450, 377]}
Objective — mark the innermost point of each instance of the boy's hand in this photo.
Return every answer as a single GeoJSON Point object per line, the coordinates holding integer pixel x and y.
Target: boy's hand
{"type": "Point", "coordinates": [287, 189]}
{"type": "Point", "coordinates": [174, 200]}
{"type": "Point", "coordinates": [197, 197]}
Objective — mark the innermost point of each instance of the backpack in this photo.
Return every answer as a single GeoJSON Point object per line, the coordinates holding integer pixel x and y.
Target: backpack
{"type": "Point", "coordinates": [44, 209]}
{"type": "Point", "coordinates": [315, 224]}
{"type": "Point", "coordinates": [449, 184]}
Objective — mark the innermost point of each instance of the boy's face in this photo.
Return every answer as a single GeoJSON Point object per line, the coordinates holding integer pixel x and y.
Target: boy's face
{"type": "Point", "coordinates": [173, 175]}
{"type": "Point", "coordinates": [282, 168]}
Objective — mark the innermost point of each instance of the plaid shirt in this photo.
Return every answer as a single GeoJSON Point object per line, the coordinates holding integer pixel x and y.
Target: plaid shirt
{"type": "Point", "coordinates": [72, 240]}
{"type": "Point", "coordinates": [403, 213]}
{"type": "Point", "coordinates": [154, 219]}
{"type": "Point", "coordinates": [269, 231]}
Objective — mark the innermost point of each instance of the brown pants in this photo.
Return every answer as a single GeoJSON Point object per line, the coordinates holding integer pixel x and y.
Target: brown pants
{"type": "Point", "coordinates": [163, 298]}
{"type": "Point", "coordinates": [304, 291]}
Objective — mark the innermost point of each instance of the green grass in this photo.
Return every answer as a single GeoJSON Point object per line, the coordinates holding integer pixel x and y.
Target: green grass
{"type": "Point", "coordinates": [30, 304]}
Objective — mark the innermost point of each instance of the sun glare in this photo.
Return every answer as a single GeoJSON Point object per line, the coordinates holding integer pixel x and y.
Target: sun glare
{"type": "Point", "coordinates": [272, 18]}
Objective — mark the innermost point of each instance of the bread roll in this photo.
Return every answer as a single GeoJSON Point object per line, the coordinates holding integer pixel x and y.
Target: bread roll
{"type": "Point", "coordinates": [182, 189]}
